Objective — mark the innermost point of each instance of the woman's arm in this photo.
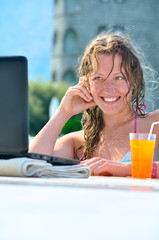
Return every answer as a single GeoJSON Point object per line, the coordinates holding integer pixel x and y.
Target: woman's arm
{"type": "Point", "coordinates": [156, 171]}
{"type": "Point", "coordinates": [45, 140]}
{"type": "Point", "coordinates": [103, 167]}
{"type": "Point", "coordinates": [76, 99]}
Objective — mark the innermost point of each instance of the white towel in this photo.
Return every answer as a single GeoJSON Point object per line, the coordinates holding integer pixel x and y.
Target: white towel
{"type": "Point", "coordinates": [26, 167]}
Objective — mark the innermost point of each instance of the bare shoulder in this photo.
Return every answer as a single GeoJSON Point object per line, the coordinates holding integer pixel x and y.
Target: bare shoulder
{"type": "Point", "coordinates": [144, 124]}
{"type": "Point", "coordinates": [74, 136]}
{"type": "Point", "coordinates": [154, 117]}
{"type": "Point", "coordinates": [67, 145]}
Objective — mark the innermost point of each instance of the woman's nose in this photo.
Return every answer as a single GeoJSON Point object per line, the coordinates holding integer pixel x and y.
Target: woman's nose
{"type": "Point", "coordinates": [108, 85]}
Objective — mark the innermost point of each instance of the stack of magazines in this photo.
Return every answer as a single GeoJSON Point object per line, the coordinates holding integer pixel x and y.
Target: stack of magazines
{"type": "Point", "coordinates": [24, 167]}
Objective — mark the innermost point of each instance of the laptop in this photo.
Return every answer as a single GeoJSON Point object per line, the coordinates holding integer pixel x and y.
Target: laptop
{"type": "Point", "coordinates": [14, 120]}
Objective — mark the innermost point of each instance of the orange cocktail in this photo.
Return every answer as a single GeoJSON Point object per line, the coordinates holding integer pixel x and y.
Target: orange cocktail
{"type": "Point", "coordinates": [142, 151]}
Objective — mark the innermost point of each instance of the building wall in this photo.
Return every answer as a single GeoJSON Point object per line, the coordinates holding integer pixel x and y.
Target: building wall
{"type": "Point", "coordinates": [140, 18]}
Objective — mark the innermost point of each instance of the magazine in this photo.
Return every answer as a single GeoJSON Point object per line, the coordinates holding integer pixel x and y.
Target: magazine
{"type": "Point", "coordinates": [25, 167]}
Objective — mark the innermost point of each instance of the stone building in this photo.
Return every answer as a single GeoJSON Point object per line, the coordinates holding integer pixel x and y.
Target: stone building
{"type": "Point", "coordinates": [78, 21]}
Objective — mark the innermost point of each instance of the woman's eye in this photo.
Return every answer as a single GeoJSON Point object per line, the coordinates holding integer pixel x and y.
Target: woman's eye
{"type": "Point", "coordinates": [119, 78]}
{"type": "Point", "coordinates": [97, 78]}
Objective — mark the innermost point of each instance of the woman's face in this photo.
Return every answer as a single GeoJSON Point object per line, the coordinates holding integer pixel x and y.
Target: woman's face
{"type": "Point", "coordinates": [109, 91]}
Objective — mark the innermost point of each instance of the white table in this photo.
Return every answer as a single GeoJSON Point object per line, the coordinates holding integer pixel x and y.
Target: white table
{"type": "Point", "coordinates": [95, 208]}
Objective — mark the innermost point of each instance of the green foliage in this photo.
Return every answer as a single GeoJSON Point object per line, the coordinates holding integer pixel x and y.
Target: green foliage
{"type": "Point", "coordinates": [40, 95]}
{"type": "Point", "coordinates": [73, 124]}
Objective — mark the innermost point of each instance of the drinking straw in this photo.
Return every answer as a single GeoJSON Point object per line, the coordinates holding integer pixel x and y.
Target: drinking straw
{"type": "Point", "coordinates": [151, 129]}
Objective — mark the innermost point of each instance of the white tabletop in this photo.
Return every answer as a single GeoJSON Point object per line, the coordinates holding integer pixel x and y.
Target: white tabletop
{"type": "Point", "coordinates": [94, 208]}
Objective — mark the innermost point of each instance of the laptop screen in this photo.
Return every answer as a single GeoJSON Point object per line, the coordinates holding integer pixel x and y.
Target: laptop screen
{"type": "Point", "coordinates": [13, 106]}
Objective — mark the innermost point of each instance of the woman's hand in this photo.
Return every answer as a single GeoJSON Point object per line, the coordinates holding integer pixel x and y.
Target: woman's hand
{"type": "Point", "coordinates": [102, 167]}
{"type": "Point", "coordinates": [77, 99]}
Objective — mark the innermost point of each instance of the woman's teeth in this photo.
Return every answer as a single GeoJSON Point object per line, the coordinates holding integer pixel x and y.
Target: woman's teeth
{"type": "Point", "coordinates": [110, 99]}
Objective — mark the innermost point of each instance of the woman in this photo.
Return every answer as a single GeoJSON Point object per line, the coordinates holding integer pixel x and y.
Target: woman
{"type": "Point", "coordinates": [111, 93]}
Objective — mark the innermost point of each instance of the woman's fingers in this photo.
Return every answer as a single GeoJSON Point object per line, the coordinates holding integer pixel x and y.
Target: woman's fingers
{"type": "Point", "coordinates": [82, 92]}
{"type": "Point", "coordinates": [76, 100]}
{"type": "Point", "coordinates": [94, 164]}
{"type": "Point", "coordinates": [103, 167]}
{"type": "Point", "coordinates": [114, 169]}
{"type": "Point", "coordinates": [85, 87]}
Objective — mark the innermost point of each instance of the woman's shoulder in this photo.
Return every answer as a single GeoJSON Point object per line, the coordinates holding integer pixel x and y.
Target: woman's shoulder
{"type": "Point", "coordinates": [77, 134]}
{"type": "Point", "coordinates": [154, 116]}
{"type": "Point", "coordinates": [76, 137]}
{"type": "Point", "coordinates": [144, 123]}
{"type": "Point", "coordinates": [67, 144]}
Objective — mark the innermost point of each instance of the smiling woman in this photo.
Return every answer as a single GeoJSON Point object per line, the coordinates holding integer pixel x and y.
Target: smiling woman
{"type": "Point", "coordinates": [110, 92]}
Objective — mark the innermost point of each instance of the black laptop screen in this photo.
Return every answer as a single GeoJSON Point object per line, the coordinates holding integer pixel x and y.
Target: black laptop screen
{"type": "Point", "coordinates": [13, 105]}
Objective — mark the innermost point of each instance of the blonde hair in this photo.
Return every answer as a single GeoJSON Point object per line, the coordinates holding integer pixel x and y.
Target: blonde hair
{"type": "Point", "coordinates": [92, 120]}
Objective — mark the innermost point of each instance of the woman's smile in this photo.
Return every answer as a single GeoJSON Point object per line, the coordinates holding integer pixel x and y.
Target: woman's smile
{"type": "Point", "coordinates": [110, 99]}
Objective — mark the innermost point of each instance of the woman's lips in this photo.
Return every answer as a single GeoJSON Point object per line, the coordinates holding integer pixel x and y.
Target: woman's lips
{"type": "Point", "coordinates": [110, 99]}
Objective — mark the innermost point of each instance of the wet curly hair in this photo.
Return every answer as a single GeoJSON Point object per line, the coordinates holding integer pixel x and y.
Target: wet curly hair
{"type": "Point", "coordinates": [92, 120]}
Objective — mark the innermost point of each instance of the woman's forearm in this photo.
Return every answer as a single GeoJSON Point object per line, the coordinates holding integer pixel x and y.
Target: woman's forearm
{"type": "Point", "coordinates": [45, 140]}
{"type": "Point", "coordinates": [157, 169]}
